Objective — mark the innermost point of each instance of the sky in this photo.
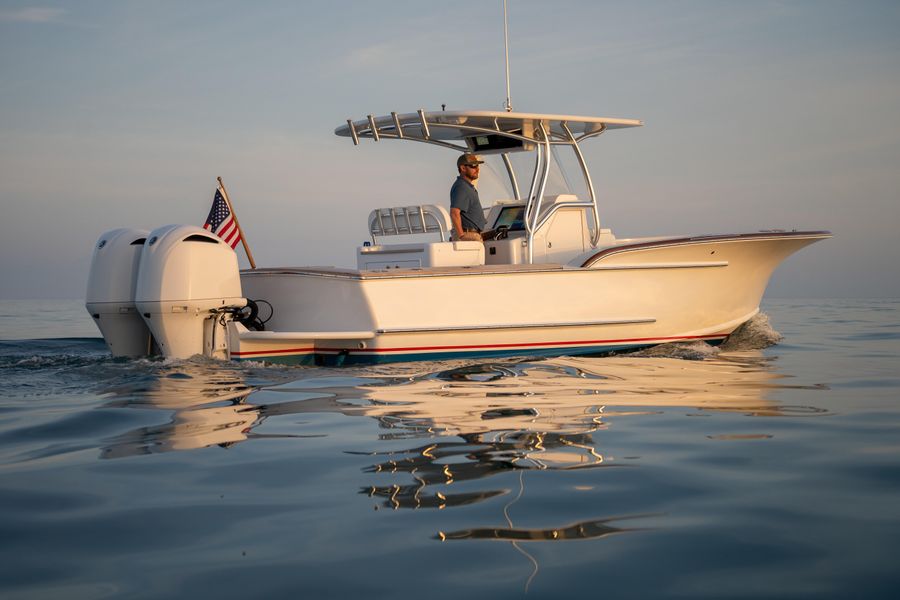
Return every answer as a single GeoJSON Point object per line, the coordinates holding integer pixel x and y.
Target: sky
{"type": "Point", "coordinates": [758, 115]}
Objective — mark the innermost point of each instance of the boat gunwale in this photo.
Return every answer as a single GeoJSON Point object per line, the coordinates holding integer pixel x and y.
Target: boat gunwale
{"type": "Point", "coordinates": [525, 269]}
{"type": "Point", "coordinates": [700, 239]}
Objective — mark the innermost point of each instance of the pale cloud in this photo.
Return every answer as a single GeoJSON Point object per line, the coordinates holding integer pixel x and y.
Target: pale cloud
{"type": "Point", "coordinates": [376, 55]}
{"type": "Point", "coordinates": [31, 15]}
{"type": "Point", "coordinates": [417, 50]}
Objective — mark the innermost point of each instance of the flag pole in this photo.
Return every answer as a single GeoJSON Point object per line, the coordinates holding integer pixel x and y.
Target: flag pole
{"type": "Point", "coordinates": [237, 223]}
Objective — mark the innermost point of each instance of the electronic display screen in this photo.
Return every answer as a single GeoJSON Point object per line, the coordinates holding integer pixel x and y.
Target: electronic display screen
{"type": "Point", "coordinates": [512, 217]}
{"type": "Point", "coordinates": [496, 144]}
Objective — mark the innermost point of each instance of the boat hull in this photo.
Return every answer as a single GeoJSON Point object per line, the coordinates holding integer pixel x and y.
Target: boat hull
{"type": "Point", "coordinates": [632, 295]}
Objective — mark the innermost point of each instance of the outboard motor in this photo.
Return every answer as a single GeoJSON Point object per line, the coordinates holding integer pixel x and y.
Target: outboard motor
{"type": "Point", "coordinates": [188, 288]}
{"type": "Point", "coordinates": [110, 292]}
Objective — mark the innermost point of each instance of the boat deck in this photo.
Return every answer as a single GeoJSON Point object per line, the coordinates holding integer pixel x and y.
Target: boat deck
{"type": "Point", "coordinates": [344, 273]}
{"type": "Point", "coordinates": [507, 269]}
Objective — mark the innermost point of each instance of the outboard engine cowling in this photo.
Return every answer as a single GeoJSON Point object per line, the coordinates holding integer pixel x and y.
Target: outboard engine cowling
{"type": "Point", "coordinates": [188, 280]}
{"type": "Point", "coordinates": [110, 292]}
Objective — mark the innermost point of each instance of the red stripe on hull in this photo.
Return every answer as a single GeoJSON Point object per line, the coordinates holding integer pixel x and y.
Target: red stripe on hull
{"type": "Point", "coordinates": [521, 345]}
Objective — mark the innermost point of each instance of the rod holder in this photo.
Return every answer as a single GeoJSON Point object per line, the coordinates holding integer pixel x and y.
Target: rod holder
{"type": "Point", "coordinates": [425, 132]}
{"type": "Point", "coordinates": [373, 128]}
{"type": "Point", "coordinates": [353, 133]}
{"type": "Point", "coordinates": [397, 124]}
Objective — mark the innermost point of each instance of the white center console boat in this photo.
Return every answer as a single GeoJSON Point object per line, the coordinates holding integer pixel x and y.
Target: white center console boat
{"type": "Point", "coordinates": [554, 282]}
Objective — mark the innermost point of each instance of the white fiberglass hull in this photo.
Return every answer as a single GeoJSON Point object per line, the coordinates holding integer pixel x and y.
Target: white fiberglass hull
{"type": "Point", "coordinates": [625, 296]}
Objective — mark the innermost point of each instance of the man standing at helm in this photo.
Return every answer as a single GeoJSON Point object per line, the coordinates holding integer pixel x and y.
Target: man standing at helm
{"type": "Point", "coordinates": [466, 213]}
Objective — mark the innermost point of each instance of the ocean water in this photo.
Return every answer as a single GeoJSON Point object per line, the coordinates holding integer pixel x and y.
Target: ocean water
{"type": "Point", "coordinates": [768, 468]}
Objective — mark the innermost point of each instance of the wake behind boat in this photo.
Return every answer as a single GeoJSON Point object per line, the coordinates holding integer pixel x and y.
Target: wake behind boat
{"type": "Point", "coordinates": [553, 281]}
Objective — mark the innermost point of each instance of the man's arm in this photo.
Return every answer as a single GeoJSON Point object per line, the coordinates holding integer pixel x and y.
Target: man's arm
{"type": "Point", "coordinates": [456, 219]}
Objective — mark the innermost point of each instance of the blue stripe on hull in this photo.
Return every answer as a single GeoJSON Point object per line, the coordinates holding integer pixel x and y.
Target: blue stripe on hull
{"type": "Point", "coordinates": [336, 360]}
{"type": "Point", "coordinates": [355, 358]}
{"type": "Point", "coordinates": [284, 359]}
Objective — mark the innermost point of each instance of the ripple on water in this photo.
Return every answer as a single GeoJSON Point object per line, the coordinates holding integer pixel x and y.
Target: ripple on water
{"type": "Point", "coordinates": [172, 478]}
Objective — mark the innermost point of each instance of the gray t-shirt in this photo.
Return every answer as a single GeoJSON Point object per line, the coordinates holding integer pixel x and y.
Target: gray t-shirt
{"type": "Point", "coordinates": [464, 196]}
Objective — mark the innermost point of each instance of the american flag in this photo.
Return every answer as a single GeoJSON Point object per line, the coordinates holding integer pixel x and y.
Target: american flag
{"type": "Point", "coordinates": [221, 222]}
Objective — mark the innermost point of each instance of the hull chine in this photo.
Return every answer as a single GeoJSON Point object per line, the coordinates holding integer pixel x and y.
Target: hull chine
{"type": "Point", "coordinates": [305, 354]}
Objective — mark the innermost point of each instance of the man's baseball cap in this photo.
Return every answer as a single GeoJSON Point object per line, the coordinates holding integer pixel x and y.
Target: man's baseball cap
{"type": "Point", "coordinates": [468, 159]}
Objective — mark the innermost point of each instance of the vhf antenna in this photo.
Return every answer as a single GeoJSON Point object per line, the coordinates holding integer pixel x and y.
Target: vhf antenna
{"type": "Point", "coordinates": [506, 44]}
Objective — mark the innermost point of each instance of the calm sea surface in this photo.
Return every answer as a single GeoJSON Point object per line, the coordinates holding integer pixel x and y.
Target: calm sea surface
{"type": "Point", "coordinates": [683, 472]}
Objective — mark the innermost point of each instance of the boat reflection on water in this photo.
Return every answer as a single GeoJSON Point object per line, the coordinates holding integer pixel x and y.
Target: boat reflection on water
{"type": "Point", "coordinates": [463, 433]}
{"type": "Point", "coordinates": [482, 419]}
{"type": "Point", "coordinates": [446, 429]}
{"type": "Point", "coordinates": [208, 405]}
{"type": "Point", "coordinates": [208, 409]}
{"type": "Point", "coordinates": [579, 531]}
{"type": "Point", "coordinates": [490, 419]}
{"type": "Point", "coordinates": [471, 419]}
